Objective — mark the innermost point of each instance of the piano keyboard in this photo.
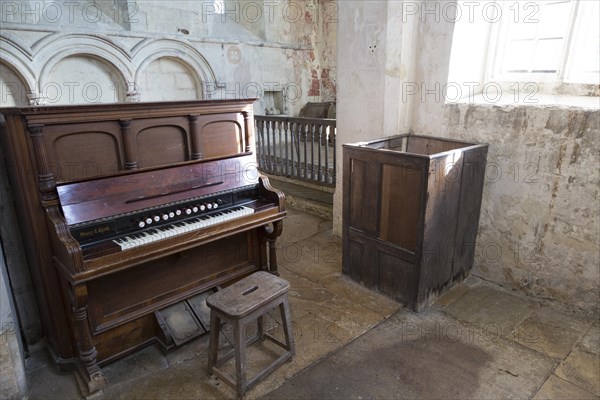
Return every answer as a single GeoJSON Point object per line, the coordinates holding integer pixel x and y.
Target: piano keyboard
{"type": "Point", "coordinates": [178, 228]}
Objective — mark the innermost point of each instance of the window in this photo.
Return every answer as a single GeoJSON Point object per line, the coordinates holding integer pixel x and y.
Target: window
{"type": "Point", "coordinates": [554, 41]}
{"type": "Point", "coordinates": [525, 51]}
{"type": "Point", "coordinates": [219, 6]}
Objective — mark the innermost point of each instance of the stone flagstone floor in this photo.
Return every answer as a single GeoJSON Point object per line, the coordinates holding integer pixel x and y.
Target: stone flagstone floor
{"type": "Point", "coordinates": [478, 341]}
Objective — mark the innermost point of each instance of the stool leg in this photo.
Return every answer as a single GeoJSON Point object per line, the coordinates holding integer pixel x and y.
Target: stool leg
{"type": "Point", "coordinates": [286, 318]}
{"type": "Point", "coordinates": [261, 328]}
{"type": "Point", "coordinates": [240, 358]}
{"type": "Point", "coordinates": [213, 344]}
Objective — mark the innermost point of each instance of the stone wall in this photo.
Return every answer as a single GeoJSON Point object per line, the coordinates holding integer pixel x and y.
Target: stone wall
{"type": "Point", "coordinates": [539, 222]}
{"type": "Point", "coordinates": [12, 371]}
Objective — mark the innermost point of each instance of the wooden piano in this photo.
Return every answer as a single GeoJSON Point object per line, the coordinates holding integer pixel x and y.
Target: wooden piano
{"type": "Point", "coordinates": [126, 209]}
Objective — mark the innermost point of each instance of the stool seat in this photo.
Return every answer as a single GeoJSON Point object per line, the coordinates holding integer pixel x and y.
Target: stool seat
{"type": "Point", "coordinates": [247, 295]}
{"type": "Point", "coordinates": [244, 301]}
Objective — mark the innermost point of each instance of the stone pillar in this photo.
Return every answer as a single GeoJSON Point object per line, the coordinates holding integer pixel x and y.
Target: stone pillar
{"type": "Point", "coordinates": [36, 99]}
{"type": "Point", "coordinates": [133, 94]}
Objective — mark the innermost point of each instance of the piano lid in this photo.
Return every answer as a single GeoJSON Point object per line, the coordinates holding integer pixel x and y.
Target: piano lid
{"type": "Point", "coordinates": [106, 197]}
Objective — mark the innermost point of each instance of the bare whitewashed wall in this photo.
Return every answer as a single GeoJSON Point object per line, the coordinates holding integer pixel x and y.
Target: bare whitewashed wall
{"type": "Point", "coordinates": [539, 222]}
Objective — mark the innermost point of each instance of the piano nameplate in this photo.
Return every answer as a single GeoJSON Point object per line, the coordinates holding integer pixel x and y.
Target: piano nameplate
{"type": "Point", "coordinates": [90, 233]}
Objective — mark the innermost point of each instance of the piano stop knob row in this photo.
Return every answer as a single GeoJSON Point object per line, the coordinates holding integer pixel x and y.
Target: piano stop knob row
{"type": "Point", "coordinates": [163, 232]}
{"type": "Point", "coordinates": [172, 214]}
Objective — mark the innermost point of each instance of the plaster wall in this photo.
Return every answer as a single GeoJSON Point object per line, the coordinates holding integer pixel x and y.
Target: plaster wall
{"type": "Point", "coordinates": [539, 221]}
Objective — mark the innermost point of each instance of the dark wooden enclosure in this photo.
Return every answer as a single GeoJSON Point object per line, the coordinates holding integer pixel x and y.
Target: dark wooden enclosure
{"type": "Point", "coordinates": [410, 214]}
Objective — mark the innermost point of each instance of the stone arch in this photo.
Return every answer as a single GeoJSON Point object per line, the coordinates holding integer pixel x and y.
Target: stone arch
{"type": "Point", "coordinates": [18, 61]}
{"type": "Point", "coordinates": [15, 90]}
{"type": "Point", "coordinates": [168, 79]}
{"type": "Point", "coordinates": [53, 49]}
{"type": "Point", "coordinates": [82, 79]}
{"type": "Point", "coordinates": [149, 51]}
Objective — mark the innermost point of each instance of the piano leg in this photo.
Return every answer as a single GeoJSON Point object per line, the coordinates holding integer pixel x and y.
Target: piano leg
{"type": "Point", "coordinates": [90, 375]}
{"type": "Point", "coordinates": [273, 231]}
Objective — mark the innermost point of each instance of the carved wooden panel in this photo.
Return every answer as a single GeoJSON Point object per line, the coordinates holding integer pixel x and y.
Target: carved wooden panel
{"type": "Point", "coordinates": [162, 141]}
{"type": "Point", "coordinates": [83, 150]}
{"type": "Point", "coordinates": [222, 135]}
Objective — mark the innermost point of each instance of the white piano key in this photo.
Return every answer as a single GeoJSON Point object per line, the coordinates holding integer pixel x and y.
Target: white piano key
{"type": "Point", "coordinates": [168, 231]}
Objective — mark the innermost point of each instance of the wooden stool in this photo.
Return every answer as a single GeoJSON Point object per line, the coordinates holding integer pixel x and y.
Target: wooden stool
{"type": "Point", "coordinates": [245, 301]}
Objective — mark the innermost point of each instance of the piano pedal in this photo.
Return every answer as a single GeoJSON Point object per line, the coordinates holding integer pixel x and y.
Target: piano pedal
{"type": "Point", "coordinates": [185, 321]}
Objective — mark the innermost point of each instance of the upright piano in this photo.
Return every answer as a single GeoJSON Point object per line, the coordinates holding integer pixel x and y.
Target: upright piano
{"type": "Point", "coordinates": [128, 209]}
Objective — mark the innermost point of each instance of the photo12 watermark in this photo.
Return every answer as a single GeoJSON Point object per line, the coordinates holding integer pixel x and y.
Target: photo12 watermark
{"type": "Point", "coordinates": [71, 12]}
{"type": "Point", "coordinates": [132, 12]}
{"type": "Point", "coordinates": [472, 11]}
{"type": "Point", "coordinates": [458, 92]}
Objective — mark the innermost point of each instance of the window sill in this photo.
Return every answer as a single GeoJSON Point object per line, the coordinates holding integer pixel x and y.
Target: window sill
{"type": "Point", "coordinates": [535, 100]}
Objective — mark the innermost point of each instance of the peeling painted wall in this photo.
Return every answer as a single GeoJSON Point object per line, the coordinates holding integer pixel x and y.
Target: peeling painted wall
{"type": "Point", "coordinates": [539, 224]}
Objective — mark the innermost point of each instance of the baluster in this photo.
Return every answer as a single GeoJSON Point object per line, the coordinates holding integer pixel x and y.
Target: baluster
{"type": "Point", "coordinates": [295, 149]}
{"type": "Point", "coordinates": [259, 139]}
{"type": "Point", "coordinates": [327, 153]}
{"type": "Point", "coordinates": [281, 159]}
{"type": "Point", "coordinates": [270, 160]}
{"type": "Point", "coordinates": [320, 171]}
{"type": "Point", "coordinates": [333, 172]}
{"type": "Point", "coordinates": [292, 148]}
{"type": "Point", "coordinates": [305, 128]}
{"type": "Point", "coordinates": [287, 163]}
{"type": "Point", "coordinates": [262, 144]}
{"type": "Point", "coordinates": [297, 134]}
{"type": "Point", "coordinates": [313, 127]}
{"type": "Point", "coordinates": [274, 145]}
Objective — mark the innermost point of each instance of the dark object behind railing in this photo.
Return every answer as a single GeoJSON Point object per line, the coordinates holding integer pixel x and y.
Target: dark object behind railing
{"type": "Point", "coordinates": [296, 147]}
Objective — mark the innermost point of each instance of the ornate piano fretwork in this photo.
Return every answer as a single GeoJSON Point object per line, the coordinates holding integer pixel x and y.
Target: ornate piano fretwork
{"type": "Point", "coordinates": [186, 224]}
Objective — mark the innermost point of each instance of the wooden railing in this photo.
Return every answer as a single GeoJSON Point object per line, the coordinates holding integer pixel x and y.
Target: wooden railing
{"type": "Point", "coordinates": [296, 147]}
